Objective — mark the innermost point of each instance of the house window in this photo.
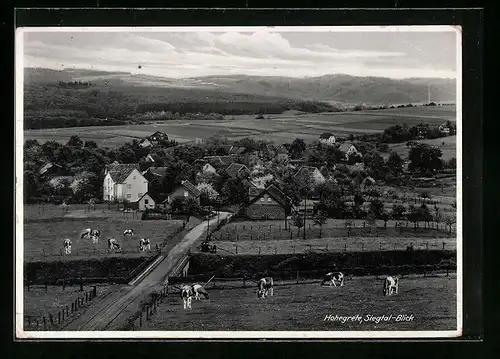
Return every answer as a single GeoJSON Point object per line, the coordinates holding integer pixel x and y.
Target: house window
{"type": "Point", "coordinates": [134, 177]}
{"type": "Point", "coordinates": [185, 193]}
{"type": "Point", "coordinates": [129, 186]}
{"type": "Point", "coordinates": [262, 199]}
{"type": "Point", "coordinates": [269, 199]}
{"type": "Point", "coordinates": [146, 201]}
{"type": "Point", "coordinates": [129, 195]}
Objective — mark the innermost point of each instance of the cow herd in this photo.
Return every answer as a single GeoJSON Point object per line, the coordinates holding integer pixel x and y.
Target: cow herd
{"type": "Point", "coordinates": [265, 287]}
{"type": "Point", "coordinates": [95, 234]}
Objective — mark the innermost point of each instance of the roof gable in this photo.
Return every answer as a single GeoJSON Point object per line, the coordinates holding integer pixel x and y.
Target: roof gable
{"type": "Point", "coordinates": [120, 172]}
{"type": "Point", "coordinates": [191, 188]}
{"type": "Point", "coordinates": [234, 169]}
{"type": "Point", "coordinates": [326, 135]}
{"type": "Point", "coordinates": [272, 191]}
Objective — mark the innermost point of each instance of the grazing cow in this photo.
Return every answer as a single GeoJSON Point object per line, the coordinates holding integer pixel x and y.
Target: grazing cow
{"type": "Point", "coordinates": [197, 290]}
{"type": "Point", "coordinates": [128, 232]}
{"type": "Point", "coordinates": [67, 246]}
{"type": "Point", "coordinates": [95, 239]}
{"type": "Point", "coordinates": [187, 296]}
{"type": "Point", "coordinates": [144, 244]}
{"type": "Point", "coordinates": [333, 277]}
{"type": "Point", "coordinates": [265, 287]}
{"type": "Point", "coordinates": [113, 244]}
{"type": "Point", "coordinates": [89, 233]}
{"type": "Point", "coordinates": [391, 285]}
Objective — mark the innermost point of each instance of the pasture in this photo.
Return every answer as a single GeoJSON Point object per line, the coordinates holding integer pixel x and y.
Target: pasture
{"type": "Point", "coordinates": [277, 128]}
{"type": "Point", "coordinates": [43, 236]}
{"type": "Point", "coordinates": [329, 244]}
{"type": "Point", "coordinates": [430, 300]}
{"type": "Point", "coordinates": [447, 145]}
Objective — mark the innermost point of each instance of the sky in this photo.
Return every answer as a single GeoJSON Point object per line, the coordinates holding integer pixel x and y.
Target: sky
{"type": "Point", "coordinates": [259, 52]}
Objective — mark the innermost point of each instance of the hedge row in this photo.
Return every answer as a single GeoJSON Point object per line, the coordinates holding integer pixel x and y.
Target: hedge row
{"type": "Point", "coordinates": [286, 265]}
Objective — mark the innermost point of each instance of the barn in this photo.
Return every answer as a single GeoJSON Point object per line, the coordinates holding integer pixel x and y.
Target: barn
{"type": "Point", "coordinates": [268, 203]}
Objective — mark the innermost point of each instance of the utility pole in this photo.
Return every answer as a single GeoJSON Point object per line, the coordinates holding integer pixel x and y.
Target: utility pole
{"type": "Point", "coordinates": [305, 209]}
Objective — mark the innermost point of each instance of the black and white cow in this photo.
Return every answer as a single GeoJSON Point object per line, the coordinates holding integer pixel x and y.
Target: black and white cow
{"type": "Point", "coordinates": [187, 296]}
{"type": "Point", "coordinates": [89, 233]}
{"type": "Point", "coordinates": [113, 244]}
{"type": "Point", "coordinates": [391, 285]}
{"type": "Point", "coordinates": [128, 232]}
{"type": "Point", "coordinates": [265, 287]}
{"type": "Point", "coordinates": [199, 290]}
{"type": "Point", "coordinates": [332, 278]}
{"type": "Point", "coordinates": [144, 244]}
{"type": "Point", "coordinates": [67, 246]}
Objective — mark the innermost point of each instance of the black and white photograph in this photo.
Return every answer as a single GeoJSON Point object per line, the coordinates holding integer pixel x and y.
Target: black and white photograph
{"type": "Point", "coordinates": [238, 182]}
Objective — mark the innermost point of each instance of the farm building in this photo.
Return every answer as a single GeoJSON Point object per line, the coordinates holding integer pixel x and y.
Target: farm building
{"type": "Point", "coordinates": [237, 170]}
{"type": "Point", "coordinates": [234, 150]}
{"type": "Point", "coordinates": [268, 203]}
{"type": "Point", "coordinates": [146, 202]}
{"type": "Point", "coordinates": [204, 167]}
{"type": "Point", "coordinates": [350, 150]}
{"type": "Point", "coordinates": [312, 173]}
{"type": "Point", "coordinates": [124, 182]}
{"type": "Point", "coordinates": [444, 129]}
{"type": "Point", "coordinates": [327, 138]}
{"type": "Point", "coordinates": [145, 143]}
{"type": "Point", "coordinates": [154, 172]}
{"type": "Point", "coordinates": [185, 189]}
{"type": "Point", "coordinates": [50, 170]}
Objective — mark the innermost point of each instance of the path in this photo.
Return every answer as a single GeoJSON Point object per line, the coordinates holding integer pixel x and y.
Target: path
{"type": "Point", "coordinates": [113, 312]}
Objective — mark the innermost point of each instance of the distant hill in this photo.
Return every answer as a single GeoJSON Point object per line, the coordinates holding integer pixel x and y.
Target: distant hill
{"type": "Point", "coordinates": [328, 88]}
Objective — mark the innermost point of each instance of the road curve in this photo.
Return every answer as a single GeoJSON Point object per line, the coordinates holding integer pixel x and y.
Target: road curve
{"type": "Point", "coordinates": [113, 311]}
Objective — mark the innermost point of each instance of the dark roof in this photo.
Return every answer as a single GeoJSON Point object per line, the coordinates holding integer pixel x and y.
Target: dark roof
{"type": "Point", "coordinates": [345, 146]}
{"type": "Point", "coordinates": [48, 166]}
{"type": "Point", "coordinates": [254, 191]}
{"type": "Point", "coordinates": [274, 192]}
{"type": "Point", "coordinates": [226, 148]}
{"type": "Point", "coordinates": [326, 135]}
{"type": "Point", "coordinates": [120, 172]}
{"type": "Point", "coordinates": [219, 160]}
{"type": "Point", "coordinates": [234, 169]}
{"type": "Point", "coordinates": [157, 171]}
{"type": "Point", "coordinates": [191, 188]}
{"type": "Point", "coordinates": [158, 133]}
{"type": "Point", "coordinates": [237, 150]}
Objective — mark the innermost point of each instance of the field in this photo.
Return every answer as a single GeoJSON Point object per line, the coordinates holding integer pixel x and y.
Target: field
{"type": "Point", "coordinates": [431, 301]}
{"type": "Point", "coordinates": [278, 128]}
{"type": "Point", "coordinates": [45, 230]}
{"type": "Point", "coordinates": [38, 302]}
{"type": "Point", "coordinates": [447, 145]}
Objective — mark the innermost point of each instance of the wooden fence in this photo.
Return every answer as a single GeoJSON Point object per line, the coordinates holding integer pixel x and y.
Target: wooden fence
{"type": "Point", "coordinates": [51, 321]}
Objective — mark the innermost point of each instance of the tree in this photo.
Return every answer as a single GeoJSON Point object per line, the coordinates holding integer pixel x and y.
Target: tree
{"type": "Point", "coordinates": [297, 148]}
{"type": "Point", "coordinates": [75, 141]}
{"type": "Point", "coordinates": [319, 220]}
{"type": "Point", "coordinates": [425, 214]}
{"type": "Point", "coordinates": [297, 221]}
{"type": "Point", "coordinates": [376, 208]}
{"type": "Point", "coordinates": [208, 194]}
{"type": "Point", "coordinates": [349, 224]}
{"type": "Point", "coordinates": [90, 144]}
{"type": "Point", "coordinates": [424, 158]}
{"type": "Point", "coordinates": [385, 217]}
{"type": "Point", "coordinates": [398, 211]}
{"type": "Point", "coordinates": [371, 220]}
{"type": "Point", "coordinates": [395, 163]}
{"type": "Point", "coordinates": [414, 215]}
{"type": "Point", "coordinates": [450, 220]}
{"type": "Point", "coordinates": [437, 216]}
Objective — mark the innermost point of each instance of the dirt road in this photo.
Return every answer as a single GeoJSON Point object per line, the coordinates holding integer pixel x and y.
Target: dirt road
{"type": "Point", "coordinates": [113, 312]}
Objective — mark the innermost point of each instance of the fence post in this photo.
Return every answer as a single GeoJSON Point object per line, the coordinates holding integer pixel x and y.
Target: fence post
{"type": "Point", "coordinates": [244, 283]}
{"type": "Point", "coordinates": [447, 272]}
{"type": "Point", "coordinates": [95, 292]}
{"type": "Point", "coordinates": [46, 287]}
{"type": "Point", "coordinates": [140, 319]}
{"type": "Point", "coordinates": [345, 247]}
{"type": "Point", "coordinates": [297, 277]}
{"type": "Point", "coordinates": [236, 249]}
{"type": "Point", "coordinates": [427, 246]}
{"type": "Point", "coordinates": [275, 250]}
{"type": "Point", "coordinates": [379, 246]}
{"type": "Point", "coordinates": [51, 319]}
{"type": "Point", "coordinates": [443, 246]}
{"type": "Point", "coordinates": [59, 317]}
{"type": "Point", "coordinates": [293, 249]}
{"type": "Point", "coordinates": [44, 323]}
{"type": "Point", "coordinates": [147, 312]}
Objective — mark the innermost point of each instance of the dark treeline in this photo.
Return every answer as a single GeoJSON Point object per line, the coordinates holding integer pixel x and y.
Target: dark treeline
{"type": "Point", "coordinates": [74, 84]}
{"type": "Point", "coordinates": [34, 123]}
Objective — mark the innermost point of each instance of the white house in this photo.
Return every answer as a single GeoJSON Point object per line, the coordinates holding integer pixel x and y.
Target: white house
{"type": "Point", "coordinates": [327, 138]}
{"type": "Point", "coordinates": [124, 182]}
{"type": "Point", "coordinates": [146, 202]}
{"type": "Point", "coordinates": [349, 149]}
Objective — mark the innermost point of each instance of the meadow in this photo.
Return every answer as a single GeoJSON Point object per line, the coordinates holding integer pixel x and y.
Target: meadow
{"type": "Point", "coordinates": [44, 231]}
{"type": "Point", "coordinates": [431, 301]}
{"type": "Point", "coordinates": [277, 128]}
